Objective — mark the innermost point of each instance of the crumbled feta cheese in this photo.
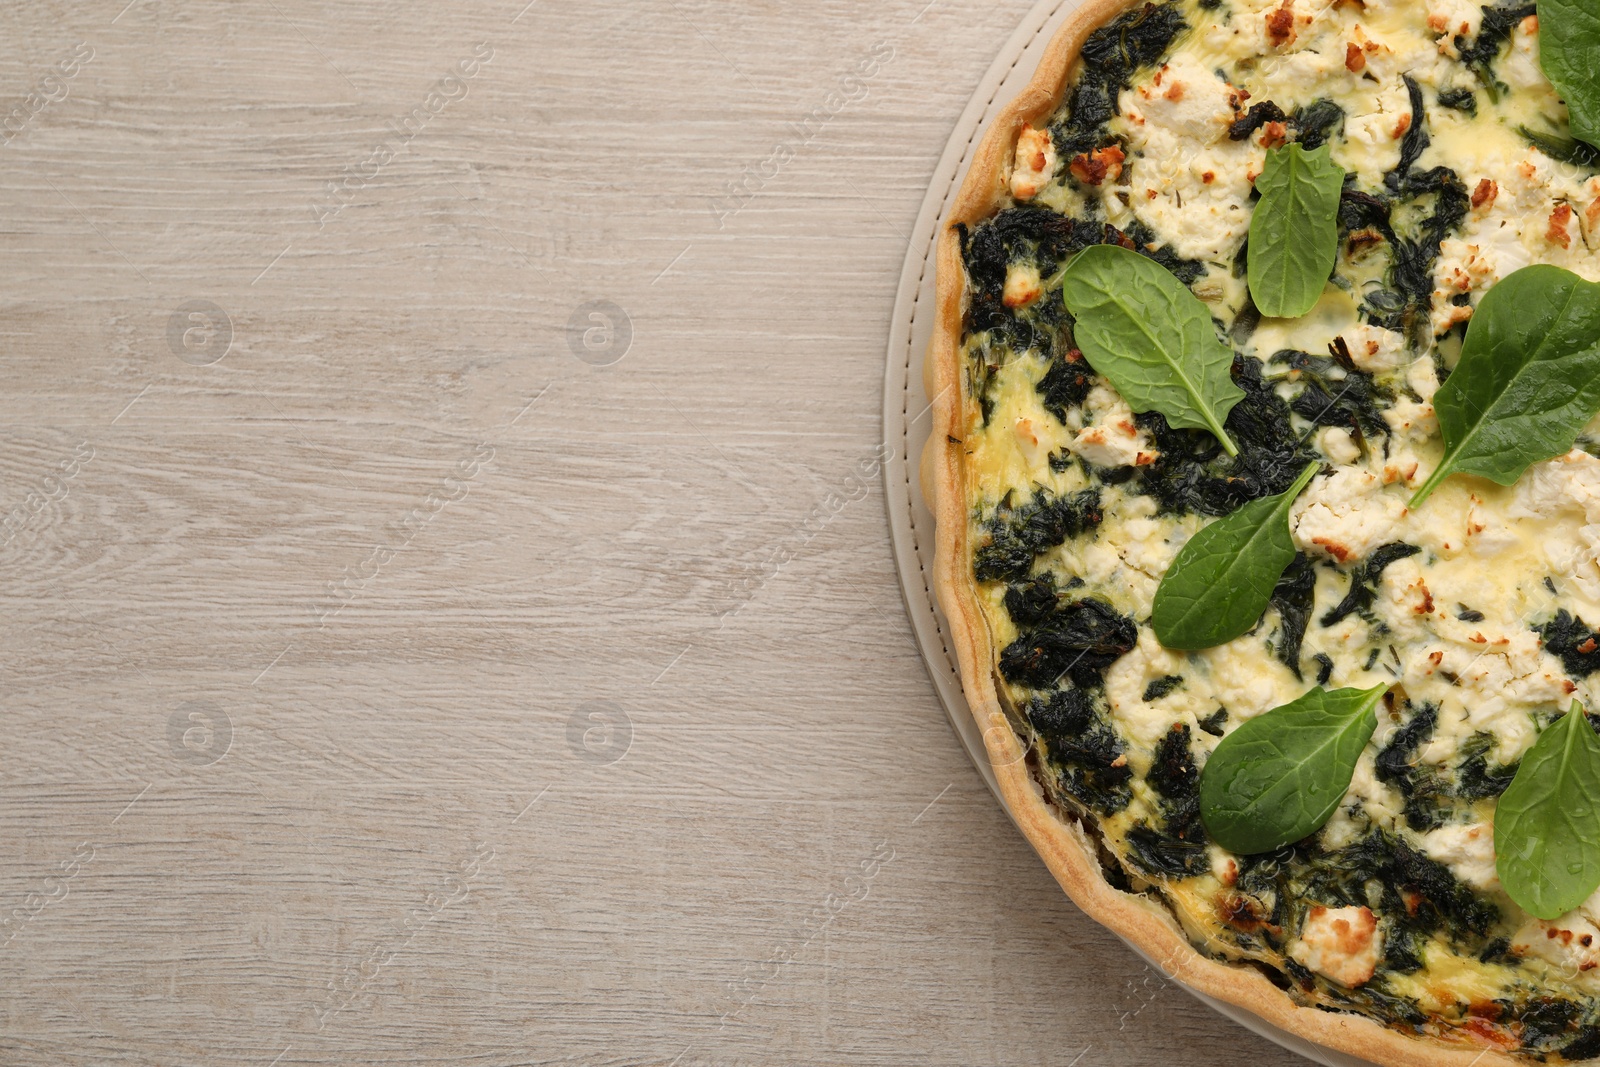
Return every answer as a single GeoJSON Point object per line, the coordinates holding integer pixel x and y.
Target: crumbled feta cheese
{"type": "Point", "coordinates": [1571, 942]}
{"type": "Point", "coordinates": [1453, 18]}
{"type": "Point", "coordinates": [1346, 514]}
{"type": "Point", "coordinates": [1568, 482]}
{"type": "Point", "coordinates": [1342, 944]}
{"type": "Point", "coordinates": [1520, 69]}
{"type": "Point", "coordinates": [1337, 444]}
{"type": "Point", "coordinates": [1406, 602]}
{"type": "Point", "coordinates": [1184, 99]}
{"type": "Point", "coordinates": [1023, 285]}
{"type": "Point", "coordinates": [1487, 534]}
{"type": "Point", "coordinates": [1372, 137]}
{"type": "Point", "coordinates": [1467, 849]}
{"type": "Point", "coordinates": [1224, 865]}
{"type": "Point", "coordinates": [1112, 439]}
{"type": "Point", "coordinates": [1145, 548]}
{"type": "Point", "coordinates": [1412, 421]}
{"type": "Point", "coordinates": [1035, 450]}
{"type": "Point", "coordinates": [1034, 163]}
{"type": "Point", "coordinates": [1423, 378]}
{"type": "Point", "coordinates": [1504, 673]}
{"type": "Point", "coordinates": [1187, 180]}
{"type": "Point", "coordinates": [1243, 680]}
{"type": "Point", "coordinates": [1375, 349]}
{"type": "Point", "coordinates": [1126, 680]}
{"type": "Point", "coordinates": [1535, 210]}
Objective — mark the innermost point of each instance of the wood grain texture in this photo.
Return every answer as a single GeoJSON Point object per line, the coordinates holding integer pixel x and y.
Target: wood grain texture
{"type": "Point", "coordinates": [359, 710]}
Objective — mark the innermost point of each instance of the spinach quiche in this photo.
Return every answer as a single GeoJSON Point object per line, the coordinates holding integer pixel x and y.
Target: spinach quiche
{"type": "Point", "coordinates": [1267, 479]}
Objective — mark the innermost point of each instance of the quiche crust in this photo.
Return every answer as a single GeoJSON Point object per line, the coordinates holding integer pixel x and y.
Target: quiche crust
{"type": "Point", "coordinates": [1063, 839]}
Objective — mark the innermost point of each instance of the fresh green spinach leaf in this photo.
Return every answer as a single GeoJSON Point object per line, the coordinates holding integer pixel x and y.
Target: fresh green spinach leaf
{"type": "Point", "coordinates": [1569, 40]}
{"type": "Point", "coordinates": [1294, 233]}
{"type": "Point", "coordinates": [1145, 331]}
{"type": "Point", "coordinates": [1280, 776]}
{"type": "Point", "coordinates": [1547, 823]}
{"type": "Point", "coordinates": [1528, 380]}
{"type": "Point", "coordinates": [1223, 578]}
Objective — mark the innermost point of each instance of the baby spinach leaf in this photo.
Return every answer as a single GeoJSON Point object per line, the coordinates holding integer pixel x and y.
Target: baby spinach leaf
{"type": "Point", "coordinates": [1547, 824]}
{"type": "Point", "coordinates": [1279, 777]}
{"type": "Point", "coordinates": [1528, 380]}
{"type": "Point", "coordinates": [1221, 582]}
{"type": "Point", "coordinates": [1294, 233]}
{"type": "Point", "coordinates": [1569, 38]}
{"type": "Point", "coordinates": [1145, 331]}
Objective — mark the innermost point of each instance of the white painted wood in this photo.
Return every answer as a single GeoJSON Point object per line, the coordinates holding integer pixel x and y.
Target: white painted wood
{"type": "Point", "coordinates": [358, 709]}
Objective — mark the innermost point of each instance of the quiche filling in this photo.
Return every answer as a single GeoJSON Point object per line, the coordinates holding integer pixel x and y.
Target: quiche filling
{"type": "Point", "coordinates": [1478, 608]}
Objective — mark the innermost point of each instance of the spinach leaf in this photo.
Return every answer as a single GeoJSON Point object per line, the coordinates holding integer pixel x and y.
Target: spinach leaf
{"type": "Point", "coordinates": [1569, 37]}
{"type": "Point", "coordinates": [1221, 582]}
{"type": "Point", "coordinates": [1279, 777]}
{"type": "Point", "coordinates": [1547, 824]}
{"type": "Point", "coordinates": [1145, 331]}
{"type": "Point", "coordinates": [1559, 146]}
{"type": "Point", "coordinates": [1528, 380]}
{"type": "Point", "coordinates": [1294, 233]}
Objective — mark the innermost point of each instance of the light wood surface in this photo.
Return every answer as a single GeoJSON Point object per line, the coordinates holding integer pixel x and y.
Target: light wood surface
{"type": "Point", "coordinates": [401, 687]}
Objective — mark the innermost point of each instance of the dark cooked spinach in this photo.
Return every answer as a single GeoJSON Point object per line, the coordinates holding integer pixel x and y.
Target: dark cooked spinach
{"type": "Point", "coordinates": [1431, 791]}
{"type": "Point", "coordinates": [1030, 603]}
{"type": "Point", "coordinates": [1162, 687]}
{"type": "Point", "coordinates": [1315, 123]}
{"type": "Point", "coordinates": [1364, 582]}
{"type": "Point", "coordinates": [1545, 1021]}
{"type": "Point", "coordinates": [1294, 596]}
{"type": "Point", "coordinates": [1481, 52]}
{"type": "Point", "coordinates": [1192, 474]}
{"type": "Point", "coordinates": [1404, 305]}
{"type": "Point", "coordinates": [1172, 770]}
{"type": "Point", "coordinates": [1111, 56]}
{"type": "Point", "coordinates": [1572, 639]}
{"type": "Point", "coordinates": [1415, 141]}
{"type": "Point", "coordinates": [1335, 393]}
{"type": "Point", "coordinates": [1178, 847]}
{"type": "Point", "coordinates": [1462, 99]}
{"type": "Point", "coordinates": [1415, 256]}
{"type": "Point", "coordinates": [1019, 534]}
{"type": "Point", "coordinates": [1419, 894]}
{"type": "Point", "coordinates": [1158, 853]}
{"type": "Point", "coordinates": [1066, 383]}
{"type": "Point", "coordinates": [1080, 640]}
{"type": "Point", "coordinates": [1422, 785]}
{"type": "Point", "coordinates": [1475, 778]}
{"type": "Point", "coordinates": [1255, 118]}
{"type": "Point", "coordinates": [1082, 749]}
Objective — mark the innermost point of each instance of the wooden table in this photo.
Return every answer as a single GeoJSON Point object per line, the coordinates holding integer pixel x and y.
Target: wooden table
{"type": "Point", "coordinates": [443, 621]}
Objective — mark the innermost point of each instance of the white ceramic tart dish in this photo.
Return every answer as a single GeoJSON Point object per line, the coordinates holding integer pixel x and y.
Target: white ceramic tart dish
{"type": "Point", "coordinates": [1386, 934]}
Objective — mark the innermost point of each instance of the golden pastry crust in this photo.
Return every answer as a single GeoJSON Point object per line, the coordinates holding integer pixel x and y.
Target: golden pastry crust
{"type": "Point", "coordinates": [1061, 839]}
